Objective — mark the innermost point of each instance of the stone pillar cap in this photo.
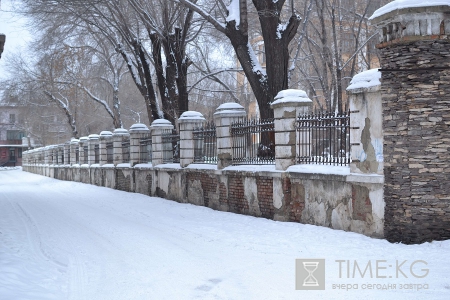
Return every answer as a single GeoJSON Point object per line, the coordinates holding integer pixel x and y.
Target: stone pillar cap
{"type": "Point", "coordinates": [161, 122]}
{"type": "Point", "coordinates": [120, 131]}
{"type": "Point", "coordinates": [291, 97]}
{"type": "Point", "coordinates": [191, 115]}
{"type": "Point", "coordinates": [94, 137]}
{"type": "Point", "coordinates": [230, 108]}
{"type": "Point", "coordinates": [365, 81]}
{"type": "Point", "coordinates": [138, 126]}
{"type": "Point", "coordinates": [407, 6]}
{"type": "Point", "coordinates": [84, 139]}
{"type": "Point", "coordinates": [74, 141]}
{"type": "Point", "coordinates": [106, 133]}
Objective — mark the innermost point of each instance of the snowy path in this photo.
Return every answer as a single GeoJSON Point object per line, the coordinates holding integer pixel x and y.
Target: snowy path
{"type": "Point", "coordinates": [66, 240]}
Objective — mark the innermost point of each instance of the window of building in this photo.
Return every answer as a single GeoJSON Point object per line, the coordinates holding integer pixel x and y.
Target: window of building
{"type": "Point", "coordinates": [14, 135]}
{"type": "Point", "coordinates": [12, 118]}
{"type": "Point", "coordinates": [19, 152]}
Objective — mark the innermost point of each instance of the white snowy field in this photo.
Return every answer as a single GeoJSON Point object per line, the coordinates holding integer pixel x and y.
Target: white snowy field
{"type": "Point", "coordinates": [66, 240]}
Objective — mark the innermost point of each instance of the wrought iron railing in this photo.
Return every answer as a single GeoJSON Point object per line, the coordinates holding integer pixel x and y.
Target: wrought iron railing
{"type": "Point", "coordinates": [96, 154]}
{"type": "Point", "coordinates": [171, 146]}
{"type": "Point", "coordinates": [85, 154]}
{"type": "Point", "coordinates": [126, 151]}
{"type": "Point", "coordinates": [77, 156]}
{"type": "Point", "coordinates": [109, 153]}
{"type": "Point", "coordinates": [205, 144]}
{"type": "Point", "coordinates": [145, 149]}
{"type": "Point", "coordinates": [253, 141]}
{"type": "Point", "coordinates": [323, 138]}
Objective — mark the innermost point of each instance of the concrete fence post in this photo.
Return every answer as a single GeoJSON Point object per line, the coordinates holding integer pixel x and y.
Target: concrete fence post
{"type": "Point", "coordinates": [226, 114]}
{"type": "Point", "coordinates": [73, 151]}
{"type": "Point", "coordinates": [119, 135]}
{"type": "Point", "coordinates": [366, 123]}
{"type": "Point", "coordinates": [287, 106]}
{"type": "Point", "coordinates": [137, 132]}
{"type": "Point", "coordinates": [67, 153]}
{"type": "Point", "coordinates": [92, 143]}
{"type": "Point", "coordinates": [60, 154]}
{"type": "Point", "coordinates": [82, 154]}
{"type": "Point", "coordinates": [104, 139]}
{"type": "Point", "coordinates": [187, 122]}
{"type": "Point", "coordinates": [157, 129]}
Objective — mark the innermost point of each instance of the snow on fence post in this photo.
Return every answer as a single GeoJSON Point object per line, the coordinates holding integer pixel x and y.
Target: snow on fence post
{"type": "Point", "coordinates": [226, 114]}
{"type": "Point", "coordinates": [366, 122]}
{"type": "Point", "coordinates": [73, 150]}
{"type": "Point", "coordinates": [92, 143]}
{"type": "Point", "coordinates": [83, 142]}
{"type": "Point", "coordinates": [187, 122]}
{"type": "Point", "coordinates": [105, 137]}
{"type": "Point", "coordinates": [137, 132]}
{"type": "Point", "coordinates": [157, 128]}
{"type": "Point", "coordinates": [287, 106]}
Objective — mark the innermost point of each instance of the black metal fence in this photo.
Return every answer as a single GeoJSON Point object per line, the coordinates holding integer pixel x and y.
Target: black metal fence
{"type": "Point", "coordinates": [145, 149]}
{"type": "Point", "coordinates": [126, 151]}
{"type": "Point", "coordinates": [85, 155]}
{"type": "Point", "coordinates": [205, 144]}
{"type": "Point", "coordinates": [171, 146]}
{"type": "Point", "coordinates": [109, 152]}
{"type": "Point", "coordinates": [96, 154]}
{"type": "Point", "coordinates": [77, 155]}
{"type": "Point", "coordinates": [253, 141]}
{"type": "Point", "coordinates": [323, 138]}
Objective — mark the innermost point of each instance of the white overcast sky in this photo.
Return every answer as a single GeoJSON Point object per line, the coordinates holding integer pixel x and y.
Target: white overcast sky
{"type": "Point", "coordinates": [17, 36]}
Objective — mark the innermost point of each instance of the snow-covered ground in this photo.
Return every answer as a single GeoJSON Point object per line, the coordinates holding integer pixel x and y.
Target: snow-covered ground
{"type": "Point", "coordinates": [66, 240]}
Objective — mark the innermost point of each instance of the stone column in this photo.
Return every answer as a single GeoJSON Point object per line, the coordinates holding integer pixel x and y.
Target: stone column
{"type": "Point", "coordinates": [67, 153]}
{"type": "Point", "coordinates": [287, 106]}
{"type": "Point", "coordinates": [187, 122]}
{"type": "Point", "coordinates": [415, 89]}
{"type": "Point", "coordinates": [83, 142]}
{"type": "Point", "coordinates": [366, 132]}
{"type": "Point", "coordinates": [119, 135]}
{"type": "Point", "coordinates": [93, 141]}
{"type": "Point", "coordinates": [60, 154]}
{"type": "Point", "coordinates": [223, 117]}
{"type": "Point", "coordinates": [157, 129]}
{"type": "Point", "coordinates": [137, 132]}
{"type": "Point", "coordinates": [73, 148]}
{"type": "Point", "coordinates": [105, 137]}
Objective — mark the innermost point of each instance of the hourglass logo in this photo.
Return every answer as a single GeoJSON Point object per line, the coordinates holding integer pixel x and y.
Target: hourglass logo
{"type": "Point", "coordinates": [310, 274]}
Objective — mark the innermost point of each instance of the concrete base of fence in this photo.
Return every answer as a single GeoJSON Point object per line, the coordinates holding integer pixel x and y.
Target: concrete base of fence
{"type": "Point", "coordinates": [340, 200]}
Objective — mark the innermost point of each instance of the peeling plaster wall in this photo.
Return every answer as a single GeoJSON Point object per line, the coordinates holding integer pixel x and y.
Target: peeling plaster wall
{"type": "Point", "coordinates": [346, 202]}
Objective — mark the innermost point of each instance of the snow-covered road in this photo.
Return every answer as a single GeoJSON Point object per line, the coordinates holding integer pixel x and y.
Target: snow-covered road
{"type": "Point", "coordinates": [66, 240]}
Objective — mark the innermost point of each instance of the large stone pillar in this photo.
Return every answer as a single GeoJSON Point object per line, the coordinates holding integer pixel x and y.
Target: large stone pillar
{"type": "Point", "coordinates": [187, 122]}
{"type": "Point", "coordinates": [73, 152]}
{"type": "Point", "coordinates": [226, 114]}
{"type": "Point", "coordinates": [83, 150]}
{"type": "Point", "coordinates": [415, 88]}
{"type": "Point", "coordinates": [287, 106]}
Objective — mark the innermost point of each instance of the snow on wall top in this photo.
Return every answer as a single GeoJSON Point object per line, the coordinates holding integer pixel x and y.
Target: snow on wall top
{"type": "Point", "coordinates": [400, 4]}
{"type": "Point", "coordinates": [365, 79]}
{"type": "Point", "coordinates": [291, 95]}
